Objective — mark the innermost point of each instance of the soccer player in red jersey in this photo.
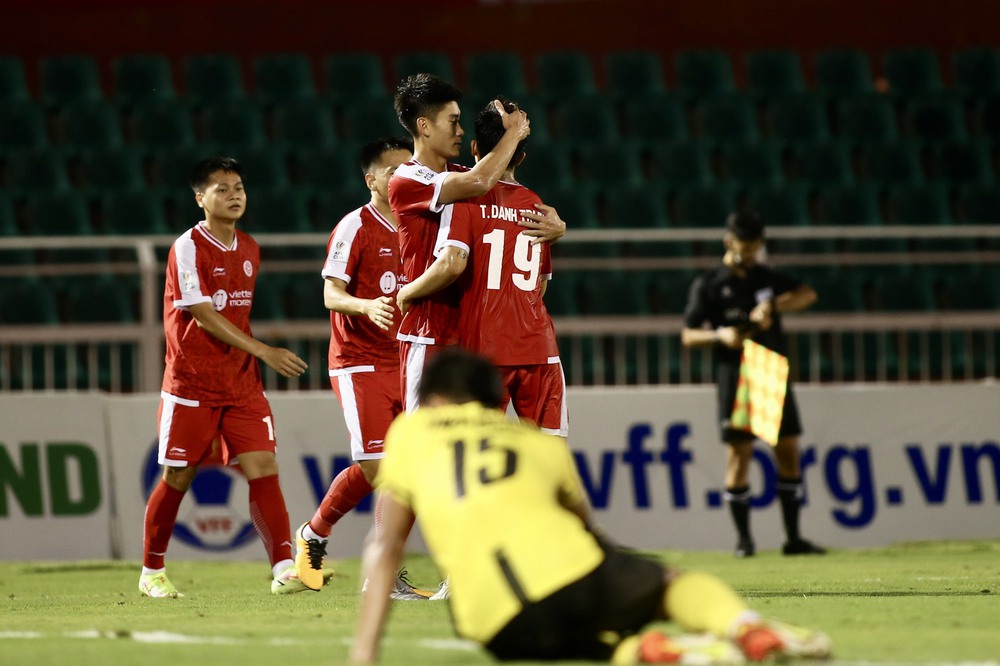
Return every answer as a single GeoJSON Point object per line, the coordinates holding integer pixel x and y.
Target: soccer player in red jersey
{"type": "Point", "coordinates": [501, 314]}
{"type": "Point", "coordinates": [361, 277]}
{"type": "Point", "coordinates": [212, 384]}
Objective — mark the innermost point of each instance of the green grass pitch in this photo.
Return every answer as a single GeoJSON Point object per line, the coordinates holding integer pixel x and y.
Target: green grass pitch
{"type": "Point", "coordinates": [924, 603]}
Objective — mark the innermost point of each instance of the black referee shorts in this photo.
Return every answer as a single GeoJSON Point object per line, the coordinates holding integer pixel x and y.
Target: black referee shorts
{"type": "Point", "coordinates": [727, 378]}
{"type": "Point", "coordinates": [588, 618]}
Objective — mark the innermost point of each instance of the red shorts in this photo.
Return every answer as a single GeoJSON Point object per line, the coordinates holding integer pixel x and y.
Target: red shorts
{"type": "Point", "coordinates": [187, 431]}
{"type": "Point", "coordinates": [370, 400]}
{"type": "Point", "coordinates": [413, 356]}
{"type": "Point", "coordinates": [539, 395]}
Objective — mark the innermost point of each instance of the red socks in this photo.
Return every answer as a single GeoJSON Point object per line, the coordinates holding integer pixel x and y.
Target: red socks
{"type": "Point", "coordinates": [270, 517]}
{"type": "Point", "coordinates": [158, 525]}
{"type": "Point", "coordinates": [347, 489]}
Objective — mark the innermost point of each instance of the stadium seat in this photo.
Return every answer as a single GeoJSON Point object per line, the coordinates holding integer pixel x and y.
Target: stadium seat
{"type": "Point", "coordinates": [171, 167]}
{"type": "Point", "coordinates": [668, 291]}
{"type": "Point", "coordinates": [107, 299]}
{"type": "Point", "coordinates": [69, 78]}
{"type": "Point", "coordinates": [234, 127]}
{"type": "Point", "coordinates": [332, 205]}
{"type": "Point", "coordinates": [904, 291]}
{"type": "Point", "coordinates": [35, 170]}
{"type": "Point", "coordinates": [608, 293]}
{"type": "Point", "coordinates": [530, 104]}
{"type": "Point", "coordinates": [139, 78]}
{"type": "Point", "coordinates": [430, 62]}
{"type": "Point", "coordinates": [267, 298]}
{"type": "Point", "coordinates": [303, 296]}
{"type": "Point", "coordinates": [848, 205]}
{"type": "Point", "coordinates": [893, 163]}
{"type": "Point", "coordinates": [577, 206]}
{"type": "Point", "coordinates": [977, 72]}
{"type": "Point", "coordinates": [22, 125]}
{"type": "Point", "coordinates": [838, 290]}
{"type": "Point", "coordinates": [726, 118]}
{"type": "Point", "coordinates": [277, 211]}
{"type": "Point", "coordinates": [281, 77]}
{"type": "Point", "coordinates": [925, 204]}
{"type": "Point", "coordinates": [90, 124]}
{"type": "Point", "coordinates": [493, 73]}
{"type": "Point", "coordinates": [129, 212]}
{"type": "Point", "coordinates": [182, 211]}
{"type": "Point", "coordinates": [705, 206]}
{"type": "Point", "coordinates": [986, 117]}
{"type": "Point", "coordinates": [303, 124]}
{"type": "Point", "coordinates": [323, 168]}
{"type": "Point", "coordinates": [979, 204]}
{"type": "Point", "coordinates": [546, 166]}
{"type": "Point", "coordinates": [213, 78]}
{"type": "Point", "coordinates": [654, 118]}
{"type": "Point", "coordinates": [563, 74]}
{"type": "Point", "coordinates": [110, 169]}
{"type": "Point", "coordinates": [352, 75]}
{"type": "Point", "coordinates": [774, 73]}
{"type": "Point", "coordinates": [797, 118]}
{"type": "Point", "coordinates": [610, 164]}
{"type": "Point", "coordinates": [822, 163]}
{"type": "Point", "coordinates": [704, 74]}
{"type": "Point", "coordinates": [560, 294]}
{"type": "Point", "coordinates": [866, 118]}
{"type": "Point", "coordinates": [682, 163]}
{"type": "Point", "coordinates": [635, 207]}
{"type": "Point", "coordinates": [961, 163]}
{"type": "Point", "coordinates": [163, 123]}
{"type": "Point", "coordinates": [633, 74]}
{"type": "Point", "coordinates": [264, 169]}
{"type": "Point", "coordinates": [9, 229]}
{"type": "Point", "coordinates": [843, 73]}
{"type": "Point", "coordinates": [753, 164]}
{"type": "Point", "coordinates": [584, 120]}
{"type": "Point", "coordinates": [780, 205]}
{"type": "Point", "coordinates": [27, 300]}
{"type": "Point", "coordinates": [58, 214]}
{"type": "Point", "coordinates": [367, 118]}
{"type": "Point", "coordinates": [12, 81]}
{"type": "Point", "coordinates": [912, 72]}
{"type": "Point", "coordinates": [936, 118]}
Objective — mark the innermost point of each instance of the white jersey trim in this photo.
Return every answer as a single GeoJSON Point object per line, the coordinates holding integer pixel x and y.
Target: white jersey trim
{"type": "Point", "coordinates": [415, 338]}
{"type": "Point", "coordinates": [339, 372]}
{"type": "Point", "coordinates": [552, 360]}
{"type": "Point", "coordinates": [341, 240]}
{"type": "Point", "coordinates": [180, 401]}
{"type": "Point", "coordinates": [436, 179]}
{"type": "Point", "coordinates": [215, 241]}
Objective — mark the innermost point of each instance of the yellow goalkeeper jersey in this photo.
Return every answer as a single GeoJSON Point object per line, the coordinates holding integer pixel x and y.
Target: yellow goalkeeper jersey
{"type": "Point", "coordinates": [489, 494]}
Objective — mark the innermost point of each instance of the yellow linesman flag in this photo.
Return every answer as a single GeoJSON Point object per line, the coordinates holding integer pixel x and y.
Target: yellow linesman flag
{"type": "Point", "coordinates": [760, 394]}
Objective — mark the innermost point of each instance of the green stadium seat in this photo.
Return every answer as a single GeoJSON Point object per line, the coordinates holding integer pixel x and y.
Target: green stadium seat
{"type": "Point", "coordinates": [912, 72]}
{"type": "Point", "coordinates": [264, 169]}
{"type": "Point", "coordinates": [668, 291]}
{"type": "Point", "coordinates": [635, 207]}
{"type": "Point", "coordinates": [128, 212]}
{"type": "Point", "coordinates": [332, 205]}
{"type": "Point", "coordinates": [10, 229]}
{"type": "Point", "coordinates": [142, 77]}
{"type": "Point", "coordinates": [303, 296]}
{"type": "Point", "coordinates": [904, 291]}
{"type": "Point", "coordinates": [866, 118]}
{"type": "Point", "coordinates": [108, 299]}
{"type": "Point", "coordinates": [13, 87]}
{"type": "Point", "coordinates": [631, 74]}
{"type": "Point", "coordinates": [797, 118]}
{"type": "Point", "coordinates": [234, 127]}
{"type": "Point", "coordinates": [277, 211]}
{"type": "Point", "coordinates": [304, 124]}
{"type": "Point", "coordinates": [781, 205]}
{"type": "Point", "coordinates": [22, 125]}
{"type": "Point", "coordinates": [281, 77]}
{"type": "Point", "coordinates": [849, 205]}
{"type": "Point", "coordinates": [822, 163]}
{"type": "Point", "coordinates": [774, 73]}
{"type": "Point", "coordinates": [838, 290]}
{"type": "Point", "coordinates": [682, 163]}
{"type": "Point", "coordinates": [90, 124]}
{"type": "Point", "coordinates": [111, 169]}
{"type": "Point", "coordinates": [654, 119]}
{"type": "Point", "coordinates": [961, 163]}
{"type": "Point", "coordinates": [546, 166]}
{"type": "Point", "coordinates": [562, 74]}
{"type": "Point", "coordinates": [925, 204]}
{"type": "Point", "coordinates": [972, 287]}
{"type": "Point", "coordinates": [584, 120]}
{"type": "Point", "coordinates": [352, 75]}
{"type": "Point", "coordinates": [267, 298]}
{"type": "Point", "coordinates": [182, 210]}
{"type": "Point", "coordinates": [986, 117]}
{"type": "Point", "coordinates": [58, 214]}
{"type": "Point", "coordinates": [35, 170]}
{"type": "Point", "coordinates": [608, 293]}
{"type": "Point", "coordinates": [367, 118]}
{"type": "Point", "coordinates": [530, 104]}
{"type": "Point", "coordinates": [843, 73]}
{"type": "Point", "coordinates": [705, 206]}
{"type": "Point", "coordinates": [213, 78]}
{"type": "Point", "coordinates": [423, 62]}
{"type": "Point", "coordinates": [704, 74]}
{"type": "Point", "coordinates": [577, 206]}
{"type": "Point", "coordinates": [27, 300]}
{"type": "Point", "coordinates": [69, 78]}
{"type": "Point", "coordinates": [163, 123]}
{"type": "Point", "coordinates": [560, 294]}
{"type": "Point", "coordinates": [726, 118]}
{"type": "Point", "coordinates": [753, 164]}
{"type": "Point", "coordinates": [893, 163]}
{"type": "Point", "coordinates": [322, 168]}
{"type": "Point", "coordinates": [977, 72]}
{"type": "Point", "coordinates": [936, 118]}
{"type": "Point", "coordinates": [979, 204]}
{"type": "Point", "coordinates": [610, 164]}
{"type": "Point", "coordinates": [171, 167]}
{"type": "Point", "coordinates": [493, 73]}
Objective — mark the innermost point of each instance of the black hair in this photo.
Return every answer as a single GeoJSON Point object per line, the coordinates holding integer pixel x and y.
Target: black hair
{"type": "Point", "coordinates": [460, 376]}
{"type": "Point", "coordinates": [206, 167]}
{"type": "Point", "coordinates": [489, 129]}
{"type": "Point", "coordinates": [745, 226]}
{"type": "Point", "coordinates": [422, 96]}
{"type": "Point", "coordinates": [372, 151]}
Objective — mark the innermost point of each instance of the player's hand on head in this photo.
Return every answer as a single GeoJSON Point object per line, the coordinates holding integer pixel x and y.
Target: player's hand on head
{"type": "Point", "coordinates": [380, 312]}
{"type": "Point", "coordinates": [515, 121]}
{"type": "Point", "coordinates": [544, 226]}
{"type": "Point", "coordinates": [284, 361]}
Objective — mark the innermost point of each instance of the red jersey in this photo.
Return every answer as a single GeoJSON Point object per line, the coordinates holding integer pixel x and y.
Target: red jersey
{"type": "Point", "coordinates": [413, 194]}
{"type": "Point", "coordinates": [363, 251]}
{"type": "Point", "coordinates": [200, 368]}
{"type": "Point", "coordinates": [503, 315]}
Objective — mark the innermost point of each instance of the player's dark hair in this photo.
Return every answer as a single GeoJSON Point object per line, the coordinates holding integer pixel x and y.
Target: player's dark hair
{"type": "Point", "coordinates": [489, 129]}
{"type": "Point", "coordinates": [371, 152]}
{"type": "Point", "coordinates": [461, 377]}
{"type": "Point", "coordinates": [422, 96]}
{"type": "Point", "coordinates": [745, 226]}
{"type": "Point", "coordinates": [206, 167]}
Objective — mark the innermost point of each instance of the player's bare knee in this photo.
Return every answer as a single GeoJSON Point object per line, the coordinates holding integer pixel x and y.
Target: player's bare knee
{"type": "Point", "coordinates": [369, 468]}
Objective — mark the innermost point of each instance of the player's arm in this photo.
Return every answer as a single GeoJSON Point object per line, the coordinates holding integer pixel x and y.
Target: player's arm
{"type": "Point", "coordinates": [382, 558]}
{"type": "Point", "coordinates": [481, 178]}
{"type": "Point", "coordinates": [796, 300]}
{"type": "Point", "coordinates": [281, 360]}
{"type": "Point", "coordinates": [545, 226]}
{"type": "Point", "coordinates": [446, 268]}
{"type": "Point", "coordinates": [378, 310]}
